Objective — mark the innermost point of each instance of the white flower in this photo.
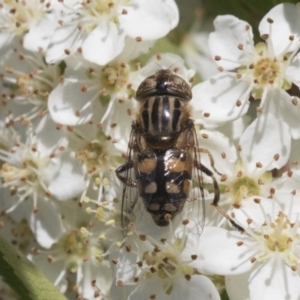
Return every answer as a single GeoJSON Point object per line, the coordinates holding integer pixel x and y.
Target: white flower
{"type": "Point", "coordinates": [99, 29]}
{"type": "Point", "coordinates": [264, 71]}
{"type": "Point", "coordinates": [196, 52]}
{"type": "Point", "coordinates": [245, 173]}
{"type": "Point", "coordinates": [35, 20]}
{"type": "Point", "coordinates": [35, 179]}
{"type": "Point", "coordinates": [80, 252]}
{"type": "Point", "coordinates": [262, 263]}
{"type": "Point", "coordinates": [165, 268]}
{"type": "Point", "coordinates": [99, 154]}
{"type": "Point", "coordinates": [28, 81]}
{"type": "Point", "coordinates": [85, 90]}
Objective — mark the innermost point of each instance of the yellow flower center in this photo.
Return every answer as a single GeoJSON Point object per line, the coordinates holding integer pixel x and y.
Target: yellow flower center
{"type": "Point", "coordinates": [279, 240]}
{"type": "Point", "coordinates": [265, 71]}
{"type": "Point", "coordinates": [22, 14]}
{"type": "Point", "coordinates": [114, 77]}
{"type": "Point", "coordinates": [242, 188]}
{"type": "Point", "coordinates": [94, 156]}
{"type": "Point", "coordinates": [14, 176]}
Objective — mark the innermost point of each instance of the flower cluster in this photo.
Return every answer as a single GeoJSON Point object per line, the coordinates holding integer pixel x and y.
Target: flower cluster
{"type": "Point", "coordinates": [69, 73]}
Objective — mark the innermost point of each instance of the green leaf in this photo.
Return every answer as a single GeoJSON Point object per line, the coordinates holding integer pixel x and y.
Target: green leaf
{"type": "Point", "coordinates": [23, 277]}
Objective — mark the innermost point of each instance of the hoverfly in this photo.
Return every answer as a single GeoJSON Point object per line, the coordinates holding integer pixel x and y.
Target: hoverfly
{"type": "Point", "coordinates": [163, 157]}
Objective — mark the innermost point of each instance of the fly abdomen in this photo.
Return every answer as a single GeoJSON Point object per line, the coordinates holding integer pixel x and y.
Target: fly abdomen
{"type": "Point", "coordinates": [165, 187]}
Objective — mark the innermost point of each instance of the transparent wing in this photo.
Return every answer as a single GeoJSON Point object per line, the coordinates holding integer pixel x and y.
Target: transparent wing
{"type": "Point", "coordinates": [126, 173]}
{"type": "Point", "coordinates": [195, 206]}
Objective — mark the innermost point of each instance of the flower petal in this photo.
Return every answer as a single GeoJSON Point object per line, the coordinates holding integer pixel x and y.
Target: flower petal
{"type": "Point", "coordinates": [221, 253]}
{"type": "Point", "coordinates": [263, 140]}
{"type": "Point", "coordinates": [39, 36]}
{"type": "Point", "coordinates": [292, 70]}
{"type": "Point", "coordinates": [274, 280]}
{"type": "Point", "coordinates": [215, 100]}
{"type": "Point", "coordinates": [145, 291]}
{"type": "Point", "coordinates": [231, 43]}
{"type": "Point", "coordinates": [65, 176]}
{"type": "Point", "coordinates": [67, 99]}
{"type": "Point", "coordinates": [46, 224]}
{"type": "Point", "coordinates": [149, 20]}
{"type": "Point", "coordinates": [104, 43]}
{"type": "Point", "coordinates": [197, 287]}
{"type": "Point", "coordinates": [285, 107]}
{"type": "Point", "coordinates": [220, 147]}
{"type": "Point", "coordinates": [65, 41]}
{"type": "Point", "coordinates": [280, 23]}
{"type": "Point", "coordinates": [237, 286]}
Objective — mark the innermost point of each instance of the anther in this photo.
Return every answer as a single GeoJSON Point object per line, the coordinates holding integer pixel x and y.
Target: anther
{"type": "Point", "coordinates": [253, 260]}
{"type": "Point", "coordinates": [257, 200]}
{"type": "Point", "coordinates": [119, 282]}
{"type": "Point", "coordinates": [188, 277]}
{"type": "Point", "coordinates": [185, 222]}
{"type": "Point", "coordinates": [142, 237]}
{"type": "Point", "coordinates": [93, 282]}
{"type": "Point", "coordinates": [294, 101]}
{"type": "Point", "coordinates": [96, 294]}
{"type": "Point", "coordinates": [84, 88]}
{"type": "Point", "coordinates": [264, 36]}
{"type": "Point", "coordinates": [259, 165]}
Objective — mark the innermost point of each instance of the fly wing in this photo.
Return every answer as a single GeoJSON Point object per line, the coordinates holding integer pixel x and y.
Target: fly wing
{"type": "Point", "coordinates": [195, 206]}
{"type": "Point", "coordinates": [127, 174]}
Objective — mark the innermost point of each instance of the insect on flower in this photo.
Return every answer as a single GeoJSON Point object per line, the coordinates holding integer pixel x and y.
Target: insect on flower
{"type": "Point", "coordinates": [163, 165]}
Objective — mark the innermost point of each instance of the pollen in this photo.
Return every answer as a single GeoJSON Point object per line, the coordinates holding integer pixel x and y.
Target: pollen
{"type": "Point", "coordinates": [21, 14]}
{"type": "Point", "coordinates": [266, 71]}
{"type": "Point", "coordinates": [95, 155]}
{"type": "Point", "coordinates": [114, 77]}
{"type": "Point", "coordinates": [279, 240]}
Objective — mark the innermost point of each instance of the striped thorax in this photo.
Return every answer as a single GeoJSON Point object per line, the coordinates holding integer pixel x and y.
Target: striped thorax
{"type": "Point", "coordinates": [163, 108]}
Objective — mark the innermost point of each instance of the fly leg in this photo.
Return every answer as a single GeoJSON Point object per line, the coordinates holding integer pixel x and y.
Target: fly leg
{"type": "Point", "coordinates": [212, 162]}
{"type": "Point", "coordinates": [125, 168]}
{"type": "Point", "coordinates": [217, 195]}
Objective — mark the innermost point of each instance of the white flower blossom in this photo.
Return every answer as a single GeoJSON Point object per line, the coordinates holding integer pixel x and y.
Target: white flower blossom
{"type": "Point", "coordinates": [36, 180]}
{"type": "Point", "coordinates": [27, 82]}
{"type": "Point", "coordinates": [265, 71]}
{"type": "Point", "coordinates": [79, 251]}
{"type": "Point", "coordinates": [89, 88]}
{"type": "Point", "coordinates": [101, 29]}
{"type": "Point", "coordinates": [163, 269]}
{"type": "Point", "coordinates": [262, 263]}
{"type": "Point", "coordinates": [243, 173]}
{"type": "Point", "coordinates": [35, 20]}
